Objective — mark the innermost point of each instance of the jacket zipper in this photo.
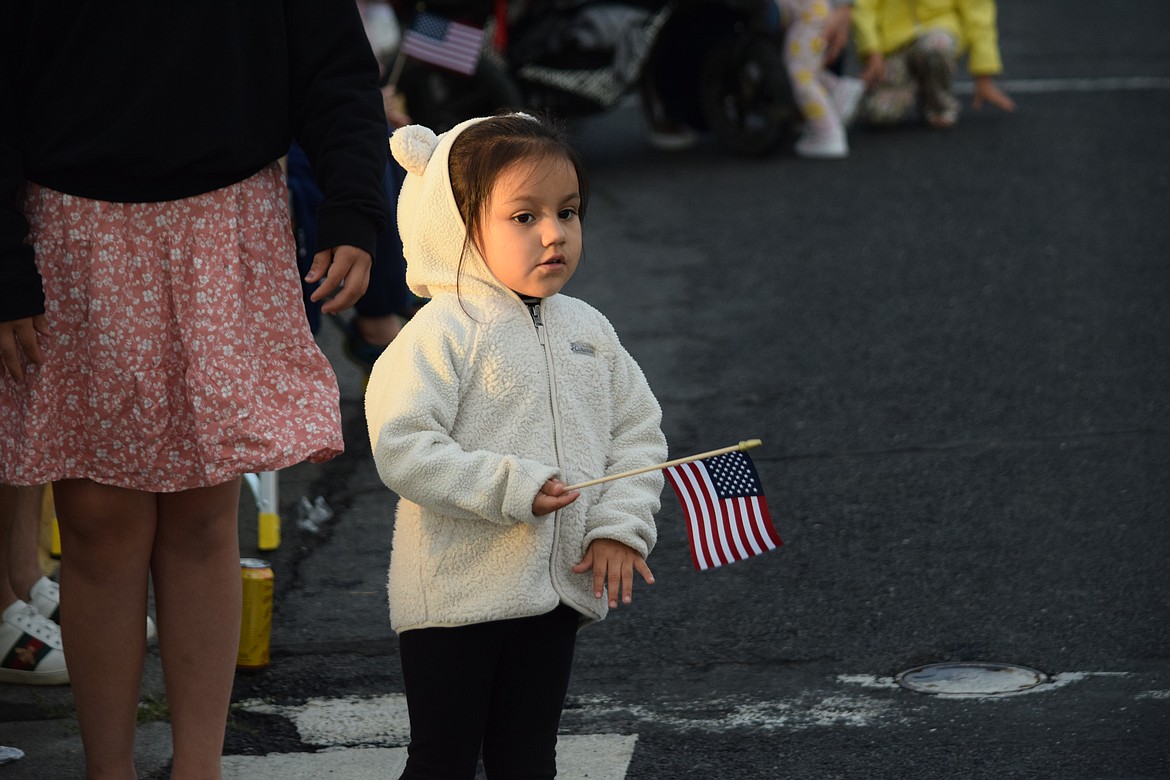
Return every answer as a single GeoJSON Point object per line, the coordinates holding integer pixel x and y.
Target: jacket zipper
{"type": "Point", "coordinates": [534, 309]}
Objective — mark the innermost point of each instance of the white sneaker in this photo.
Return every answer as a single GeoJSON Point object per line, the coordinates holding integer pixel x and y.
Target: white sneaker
{"type": "Point", "coordinates": [671, 139]}
{"type": "Point", "coordinates": [846, 96]}
{"type": "Point", "coordinates": [10, 754]}
{"type": "Point", "coordinates": [824, 146]}
{"type": "Point", "coordinates": [30, 647]}
{"type": "Point", "coordinates": [45, 595]}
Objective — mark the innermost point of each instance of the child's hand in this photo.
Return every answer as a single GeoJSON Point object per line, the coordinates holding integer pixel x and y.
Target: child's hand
{"type": "Point", "coordinates": [835, 31]}
{"type": "Point", "coordinates": [613, 561]}
{"type": "Point", "coordinates": [986, 91]}
{"type": "Point", "coordinates": [875, 70]}
{"type": "Point", "coordinates": [552, 496]}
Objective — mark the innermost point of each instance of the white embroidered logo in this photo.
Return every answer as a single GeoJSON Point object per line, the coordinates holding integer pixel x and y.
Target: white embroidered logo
{"type": "Point", "coordinates": [581, 349]}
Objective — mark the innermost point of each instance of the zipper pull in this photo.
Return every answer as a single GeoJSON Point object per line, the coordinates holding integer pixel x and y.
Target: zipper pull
{"type": "Point", "coordinates": [534, 310]}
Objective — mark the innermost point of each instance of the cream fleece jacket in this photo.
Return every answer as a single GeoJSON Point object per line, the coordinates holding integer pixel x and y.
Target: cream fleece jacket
{"type": "Point", "coordinates": [474, 406]}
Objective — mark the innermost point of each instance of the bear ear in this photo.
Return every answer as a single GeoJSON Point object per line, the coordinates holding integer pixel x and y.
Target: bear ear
{"type": "Point", "coordinates": [412, 146]}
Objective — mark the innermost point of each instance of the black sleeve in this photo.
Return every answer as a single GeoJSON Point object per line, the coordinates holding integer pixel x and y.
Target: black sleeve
{"type": "Point", "coordinates": [21, 294]}
{"type": "Point", "coordinates": [337, 117]}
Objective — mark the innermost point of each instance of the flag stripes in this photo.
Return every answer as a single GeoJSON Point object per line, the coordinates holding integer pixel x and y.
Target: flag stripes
{"type": "Point", "coordinates": [439, 41]}
{"type": "Point", "coordinates": [722, 528]}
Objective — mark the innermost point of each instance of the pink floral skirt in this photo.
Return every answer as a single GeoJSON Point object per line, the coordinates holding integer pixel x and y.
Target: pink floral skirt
{"type": "Point", "coordinates": [180, 356]}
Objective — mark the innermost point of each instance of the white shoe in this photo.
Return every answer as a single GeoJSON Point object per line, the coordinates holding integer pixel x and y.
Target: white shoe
{"type": "Point", "coordinates": [10, 754]}
{"type": "Point", "coordinates": [45, 595]}
{"type": "Point", "coordinates": [846, 96]}
{"type": "Point", "coordinates": [825, 146]}
{"type": "Point", "coordinates": [672, 139]}
{"type": "Point", "coordinates": [30, 647]}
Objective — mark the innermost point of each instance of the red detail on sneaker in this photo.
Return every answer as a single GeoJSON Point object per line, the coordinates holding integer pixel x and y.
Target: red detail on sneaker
{"type": "Point", "coordinates": [25, 654]}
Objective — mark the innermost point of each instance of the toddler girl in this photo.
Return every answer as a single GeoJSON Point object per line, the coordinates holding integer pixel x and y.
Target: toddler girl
{"type": "Point", "coordinates": [492, 397]}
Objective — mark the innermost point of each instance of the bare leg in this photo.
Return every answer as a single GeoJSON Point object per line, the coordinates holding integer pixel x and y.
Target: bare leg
{"type": "Point", "coordinates": [24, 567]}
{"type": "Point", "coordinates": [107, 534]}
{"type": "Point", "coordinates": [196, 569]}
{"type": "Point", "coordinates": [7, 520]}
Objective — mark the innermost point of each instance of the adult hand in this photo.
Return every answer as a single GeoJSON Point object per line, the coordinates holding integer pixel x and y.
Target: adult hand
{"type": "Point", "coordinates": [987, 91]}
{"type": "Point", "coordinates": [394, 107]}
{"type": "Point", "coordinates": [344, 273]}
{"type": "Point", "coordinates": [18, 342]}
{"type": "Point", "coordinates": [552, 496]}
{"type": "Point", "coordinates": [613, 565]}
{"type": "Point", "coordinates": [835, 31]}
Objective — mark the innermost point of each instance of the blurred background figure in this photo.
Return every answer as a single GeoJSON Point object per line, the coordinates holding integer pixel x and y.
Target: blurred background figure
{"type": "Point", "coordinates": [827, 101]}
{"type": "Point", "coordinates": [387, 304]}
{"type": "Point", "coordinates": [910, 50]}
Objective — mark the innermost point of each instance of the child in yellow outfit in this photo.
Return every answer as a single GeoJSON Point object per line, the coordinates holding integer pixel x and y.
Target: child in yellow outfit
{"type": "Point", "coordinates": [910, 49]}
{"type": "Point", "coordinates": [826, 101]}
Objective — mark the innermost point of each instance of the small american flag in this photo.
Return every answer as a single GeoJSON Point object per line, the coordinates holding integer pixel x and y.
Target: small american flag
{"type": "Point", "coordinates": [727, 516]}
{"type": "Point", "coordinates": [439, 41]}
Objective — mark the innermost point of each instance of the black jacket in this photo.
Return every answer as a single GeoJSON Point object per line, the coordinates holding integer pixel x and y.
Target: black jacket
{"type": "Point", "coordinates": [142, 100]}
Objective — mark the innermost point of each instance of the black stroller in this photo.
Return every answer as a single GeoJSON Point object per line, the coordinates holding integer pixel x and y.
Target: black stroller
{"type": "Point", "coordinates": [709, 65]}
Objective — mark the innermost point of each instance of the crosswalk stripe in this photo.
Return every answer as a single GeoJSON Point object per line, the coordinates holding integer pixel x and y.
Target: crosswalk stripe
{"type": "Point", "coordinates": [579, 757]}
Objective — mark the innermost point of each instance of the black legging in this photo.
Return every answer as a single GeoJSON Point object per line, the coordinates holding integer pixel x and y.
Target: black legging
{"type": "Point", "coordinates": [500, 684]}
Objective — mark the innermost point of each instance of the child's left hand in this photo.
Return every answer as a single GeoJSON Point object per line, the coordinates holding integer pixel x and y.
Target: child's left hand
{"type": "Point", "coordinates": [613, 565]}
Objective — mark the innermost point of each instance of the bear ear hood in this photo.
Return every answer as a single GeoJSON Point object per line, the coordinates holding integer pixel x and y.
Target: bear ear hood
{"type": "Point", "coordinates": [413, 146]}
{"type": "Point", "coordinates": [432, 230]}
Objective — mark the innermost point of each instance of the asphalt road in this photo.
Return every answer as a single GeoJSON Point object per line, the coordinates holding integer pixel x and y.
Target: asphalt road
{"type": "Point", "coordinates": [954, 347]}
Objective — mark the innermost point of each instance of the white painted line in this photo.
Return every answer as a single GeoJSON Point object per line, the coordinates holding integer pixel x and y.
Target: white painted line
{"type": "Point", "coordinates": [361, 735]}
{"type": "Point", "coordinates": [807, 710]}
{"type": "Point", "coordinates": [588, 757]}
{"type": "Point", "coordinates": [383, 722]}
{"type": "Point", "coordinates": [351, 764]}
{"type": "Point", "coordinates": [1154, 695]}
{"type": "Point", "coordinates": [347, 721]}
{"type": "Point", "coordinates": [1115, 84]}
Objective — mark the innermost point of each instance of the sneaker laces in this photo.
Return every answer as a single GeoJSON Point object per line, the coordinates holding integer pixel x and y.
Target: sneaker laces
{"type": "Point", "coordinates": [26, 618]}
{"type": "Point", "coordinates": [48, 588]}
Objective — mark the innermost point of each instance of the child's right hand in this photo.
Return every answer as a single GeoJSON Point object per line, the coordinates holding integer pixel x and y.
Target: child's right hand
{"type": "Point", "coordinates": [986, 91]}
{"type": "Point", "coordinates": [552, 496]}
{"type": "Point", "coordinates": [875, 69]}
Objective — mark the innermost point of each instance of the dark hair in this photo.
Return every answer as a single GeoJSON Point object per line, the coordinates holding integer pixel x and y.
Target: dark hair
{"type": "Point", "coordinates": [486, 149]}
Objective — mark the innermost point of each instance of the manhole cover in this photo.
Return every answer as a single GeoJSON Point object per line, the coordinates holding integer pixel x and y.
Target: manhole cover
{"type": "Point", "coordinates": [971, 679]}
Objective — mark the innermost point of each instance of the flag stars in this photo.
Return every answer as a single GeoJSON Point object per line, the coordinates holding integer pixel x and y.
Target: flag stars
{"type": "Point", "coordinates": [734, 475]}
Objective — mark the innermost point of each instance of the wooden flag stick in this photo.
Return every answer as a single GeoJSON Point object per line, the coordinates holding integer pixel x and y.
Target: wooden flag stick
{"type": "Point", "coordinates": [396, 70]}
{"type": "Point", "coordinates": [743, 445]}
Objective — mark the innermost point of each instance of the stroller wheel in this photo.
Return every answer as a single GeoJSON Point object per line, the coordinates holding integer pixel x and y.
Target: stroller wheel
{"type": "Point", "coordinates": [441, 99]}
{"type": "Point", "coordinates": [745, 96]}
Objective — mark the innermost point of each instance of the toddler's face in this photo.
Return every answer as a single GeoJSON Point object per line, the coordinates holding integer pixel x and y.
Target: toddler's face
{"type": "Point", "coordinates": [531, 236]}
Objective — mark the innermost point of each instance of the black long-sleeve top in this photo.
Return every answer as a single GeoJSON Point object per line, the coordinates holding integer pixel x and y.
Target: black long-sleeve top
{"type": "Point", "coordinates": [152, 100]}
